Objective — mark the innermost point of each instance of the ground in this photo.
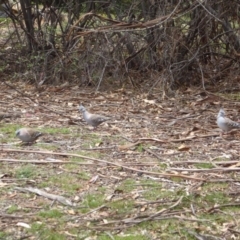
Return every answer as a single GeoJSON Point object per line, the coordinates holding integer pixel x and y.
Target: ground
{"type": "Point", "coordinates": [158, 169]}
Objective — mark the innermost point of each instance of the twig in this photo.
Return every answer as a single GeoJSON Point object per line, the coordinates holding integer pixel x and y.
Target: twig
{"type": "Point", "coordinates": [98, 148]}
{"type": "Point", "coordinates": [123, 147]}
{"type": "Point", "coordinates": [224, 205]}
{"type": "Point", "coordinates": [233, 230]}
{"type": "Point", "coordinates": [107, 162]}
{"type": "Point", "coordinates": [128, 139]}
{"type": "Point", "coordinates": [101, 77]}
{"type": "Point", "coordinates": [177, 140]}
{"type": "Point", "coordinates": [139, 219]}
{"type": "Point", "coordinates": [203, 170]}
{"type": "Point", "coordinates": [154, 154]}
{"type": "Point", "coordinates": [121, 227]}
{"type": "Point", "coordinates": [205, 162]}
{"type": "Point", "coordinates": [42, 162]}
{"type": "Point", "coordinates": [85, 214]}
{"type": "Point", "coordinates": [4, 215]}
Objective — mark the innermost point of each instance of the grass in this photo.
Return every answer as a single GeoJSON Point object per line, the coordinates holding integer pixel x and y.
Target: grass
{"type": "Point", "coordinates": [45, 232]}
{"type": "Point", "coordinates": [12, 209]}
{"type": "Point", "coordinates": [57, 131]}
{"type": "Point", "coordinates": [92, 201]}
{"type": "Point", "coordinates": [51, 213]}
{"type": "Point", "coordinates": [26, 171]}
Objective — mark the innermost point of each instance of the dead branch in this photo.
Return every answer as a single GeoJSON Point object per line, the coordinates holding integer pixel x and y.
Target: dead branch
{"type": "Point", "coordinates": [107, 162]}
{"type": "Point", "coordinates": [177, 140]}
{"type": "Point", "coordinates": [203, 170]}
{"type": "Point", "coordinates": [54, 197]}
{"type": "Point", "coordinates": [42, 162]}
{"type": "Point", "coordinates": [205, 162]}
{"type": "Point", "coordinates": [222, 206]}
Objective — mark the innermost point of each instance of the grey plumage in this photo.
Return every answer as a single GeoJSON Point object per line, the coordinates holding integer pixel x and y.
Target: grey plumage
{"type": "Point", "coordinates": [92, 119]}
{"type": "Point", "coordinates": [28, 135]}
{"type": "Point", "coordinates": [225, 123]}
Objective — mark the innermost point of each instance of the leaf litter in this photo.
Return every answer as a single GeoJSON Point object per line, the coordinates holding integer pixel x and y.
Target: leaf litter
{"type": "Point", "coordinates": [158, 165]}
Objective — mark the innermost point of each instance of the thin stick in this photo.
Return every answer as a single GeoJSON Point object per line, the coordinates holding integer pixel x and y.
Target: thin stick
{"type": "Point", "coordinates": [177, 140]}
{"type": "Point", "coordinates": [107, 162]}
{"type": "Point", "coordinates": [42, 162]}
{"type": "Point", "coordinates": [39, 192]}
{"type": "Point", "coordinates": [204, 170]}
{"type": "Point", "coordinates": [154, 154]}
{"type": "Point", "coordinates": [205, 162]}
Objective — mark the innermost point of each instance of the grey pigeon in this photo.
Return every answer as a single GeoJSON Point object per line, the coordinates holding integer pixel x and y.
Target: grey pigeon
{"type": "Point", "coordinates": [28, 135]}
{"type": "Point", "coordinates": [225, 123]}
{"type": "Point", "coordinates": [92, 119]}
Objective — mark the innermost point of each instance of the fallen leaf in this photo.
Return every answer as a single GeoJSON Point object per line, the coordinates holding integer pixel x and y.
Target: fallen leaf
{"type": "Point", "coordinates": [94, 179]}
{"type": "Point", "coordinates": [149, 101]}
{"type": "Point", "coordinates": [25, 225]}
{"type": "Point", "coordinates": [183, 147]}
{"type": "Point", "coordinates": [71, 211]}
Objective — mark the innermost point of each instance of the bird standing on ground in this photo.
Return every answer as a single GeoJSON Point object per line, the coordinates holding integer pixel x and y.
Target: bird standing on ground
{"type": "Point", "coordinates": [225, 123]}
{"type": "Point", "coordinates": [28, 135]}
{"type": "Point", "coordinates": [92, 119]}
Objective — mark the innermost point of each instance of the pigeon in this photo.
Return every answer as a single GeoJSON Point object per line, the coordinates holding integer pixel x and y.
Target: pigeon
{"type": "Point", "coordinates": [225, 123]}
{"type": "Point", "coordinates": [92, 119]}
{"type": "Point", "coordinates": [28, 135]}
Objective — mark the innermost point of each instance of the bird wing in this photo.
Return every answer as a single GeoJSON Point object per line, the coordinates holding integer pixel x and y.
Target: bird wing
{"type": "Point", "coordinates": [231, 123]}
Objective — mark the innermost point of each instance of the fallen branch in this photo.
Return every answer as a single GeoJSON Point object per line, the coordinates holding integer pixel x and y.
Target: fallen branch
{"type": "Point", "coordinates": [203, 170]}
{"type": "Point", "coordinates": [205, 162]}
{"type": "Point", "coordinates": [5, 215]}
{"type": "Point", "coordinates": [87, 213]}
{"type": "Point", "coordinates": [224, 205]}
{"type": "Point", "coordinates": [163, 214]}
{"type": "Point", "coordinates": [42, 162]}
{"type": "Point", "coordinates": [124, 147]}
{"type": "Point", "coordinates": [107, 162]}
{"type": "Point", "coordinates": [154, 154]}
{"type": "Point", "coordinates": [58, 198]}
{"type": "Point", "coordinates": [140, 219]}
{"type": "Point", "coordinates": [177, 140]}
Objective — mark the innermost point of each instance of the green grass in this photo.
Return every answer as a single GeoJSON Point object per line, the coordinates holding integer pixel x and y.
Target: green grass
{"type": "Point", "coordinates": [12, 209]}
{"type": "Point", "coordinates": [3, 235]}
{"type": "Point", "coordinates": [26, 171]}
{"type": "Point", "coordinates": [8, 131]}
{"type": "Point", "coordinates": [52, 213]}
{"type": "Point", "coordinates": [83, 176]}
{"type": "Point", "coordinates": [122, 206]}
{"type": "Point", "coordinates": [44, 231]}
{"type": "Point", "coordinates": [92, 201]}
{"type": "Point", "coordinates": [130, 237]}
{"type": "Point", "coordinates": [204, 165]}
{"type": "Point", "coordinates": [128, 185]}
{"type": "Point", "coordinates": [57, 131]}
{"type": "Point", "coordinates": [65, 182]}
